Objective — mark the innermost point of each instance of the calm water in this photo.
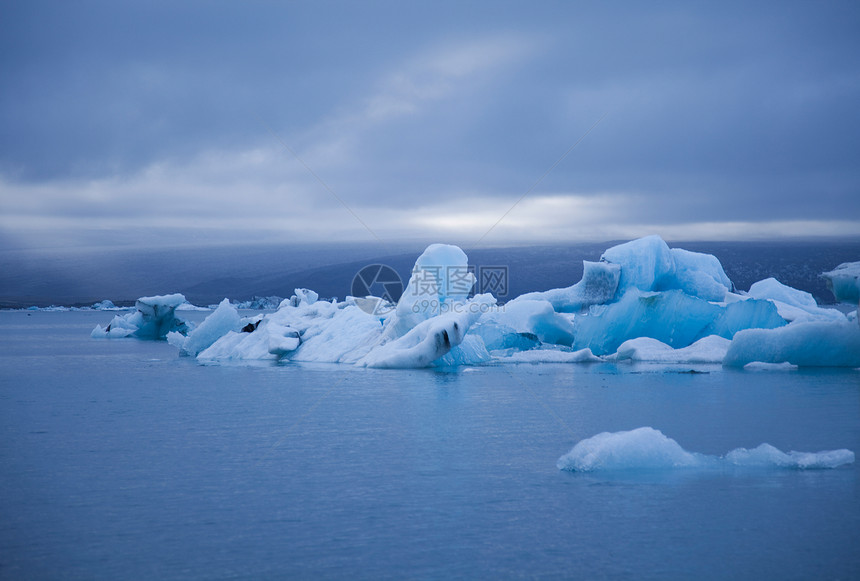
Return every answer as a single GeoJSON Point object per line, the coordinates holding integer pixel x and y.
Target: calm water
{"type": "Point", "coordinates": [122, 461]}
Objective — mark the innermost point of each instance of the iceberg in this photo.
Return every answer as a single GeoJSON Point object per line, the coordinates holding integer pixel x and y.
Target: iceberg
{"type": "Point", "coordinates": [642, 448]}
{"type": "Point", "coordinates": [427, 327]}
{"type": "Point", "coordinates": [766, 455]}
{"type": "Point", "coordinates": [710, 349]}
{"type": "Point", "coordinates": [672, 317]}
{"type": "Point", "coordinates": [648, 449]}
{"type": "Point", "coordinates": [844, 282]}
{"type": "Point", "coordinates": [106, 305]}
{"type": "Point", "coordinates": [643, 301]}
{"type": "Point", "coordinates": [154, 317]}
{"type": "Point", "coordinates": [808, 344]}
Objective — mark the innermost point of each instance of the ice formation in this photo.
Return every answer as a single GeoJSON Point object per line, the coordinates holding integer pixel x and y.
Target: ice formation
{"type": "Point", "coordinates": [153, 318]}
{"type": "Point", "coordinates": [261, 303]}
{"type": "Point", "coordinates": [429, 325]}
{"type": "Point", "coordinates": [598, 285]}
{"type": "Point", "coordinates": [104, 305]}
{"type": "Point", "coordinates": [672, 317]}
{"type": "Point", "coordinates": [792, 304]}
{"type": "Point", "coordinates": [643, 301]}
{"type": "Point", "coordinates": [648, 264]}
{"type": "Point", "coordinates": [710, 349]}
{"type": "Point", "coordinates": [553, 356]}
{"type": "Point", "coordinates": [807, 344]}
{"type": "Point", "coordinates": [648, 449]}
{"type": "Point", "coordinates": [223, 320]}
{"type": "Point", "coordinates": [844, 282]}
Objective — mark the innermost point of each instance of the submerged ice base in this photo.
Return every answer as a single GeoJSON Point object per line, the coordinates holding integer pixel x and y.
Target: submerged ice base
{"type": "Point", "coordinates": [648, 449]}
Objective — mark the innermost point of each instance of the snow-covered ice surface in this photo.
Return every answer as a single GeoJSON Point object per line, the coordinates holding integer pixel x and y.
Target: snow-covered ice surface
{"type": "Point", "coordinates": [648, 449]}
{"type": "Point", "coordinates": [642, 302]}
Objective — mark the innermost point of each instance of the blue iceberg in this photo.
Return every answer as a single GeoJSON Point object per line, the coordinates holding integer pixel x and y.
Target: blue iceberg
{"type": "Point", "coordinates": [643, 301]}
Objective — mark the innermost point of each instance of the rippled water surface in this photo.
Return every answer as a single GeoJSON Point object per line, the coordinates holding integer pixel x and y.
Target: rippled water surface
{"type": "Point", "coordinates": [121, 460]}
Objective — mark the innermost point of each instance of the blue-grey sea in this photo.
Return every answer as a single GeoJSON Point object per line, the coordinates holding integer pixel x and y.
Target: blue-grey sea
{"type": "Point", "coordinates": [120, 460]}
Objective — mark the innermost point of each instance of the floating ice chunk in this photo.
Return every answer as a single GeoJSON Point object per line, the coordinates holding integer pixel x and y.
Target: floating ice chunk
{"type": "Point", "coordinates": [526, 317]}
{"type": "Point", "coordinates": [648, 449]}
{"type": "Point", "coordinates": [793, 304]}
{"type": "Point", "coordinates": [672, 317]}
{"type": "Point", "coordinates": [222, 320]}
{"type": "Point", "coordinates": [598, 285]}
{"type": "Point", "coordinates": [710, 349]}
{"type": "Point", "coordinates": [552, 356]}
{"type": "Point", "coordinates": [105, 305]}
{"type": "Point", "coordinates": [646, 263]}
{"type": "Point", "coordinates": [153, 318]}
{"type": "Point", "coordinates": [766, 455]}
{"type": "Point", "coordinates": [844, 282]}
{"type": "Point", "coordinates": [639, 449]}
{"type": "Point", "coordinates": [814, 344]}
{"type": "Point", "coordinates": [759, 366]}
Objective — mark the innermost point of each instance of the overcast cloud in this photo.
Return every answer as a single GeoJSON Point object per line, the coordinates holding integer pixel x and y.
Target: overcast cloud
{"type": "Point", "coordinates": [719, 120]}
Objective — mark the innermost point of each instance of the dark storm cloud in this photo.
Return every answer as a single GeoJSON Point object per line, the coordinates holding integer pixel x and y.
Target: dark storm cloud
{"type": "Point", "coordinates": [729, 112]}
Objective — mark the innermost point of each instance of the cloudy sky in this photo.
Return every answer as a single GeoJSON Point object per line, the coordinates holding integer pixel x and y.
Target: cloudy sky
{"type": "Point", "coordinates": [363, 121]}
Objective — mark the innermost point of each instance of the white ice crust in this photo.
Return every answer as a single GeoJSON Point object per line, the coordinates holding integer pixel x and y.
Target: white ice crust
{"type": "Point", "coordinates": [648, 449]}
{"type": "Point", "coordinates": [643, 301]}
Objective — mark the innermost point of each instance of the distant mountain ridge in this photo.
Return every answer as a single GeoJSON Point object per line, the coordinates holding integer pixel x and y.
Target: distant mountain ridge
{"type": "Point", "coordinates": [207, 275]}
